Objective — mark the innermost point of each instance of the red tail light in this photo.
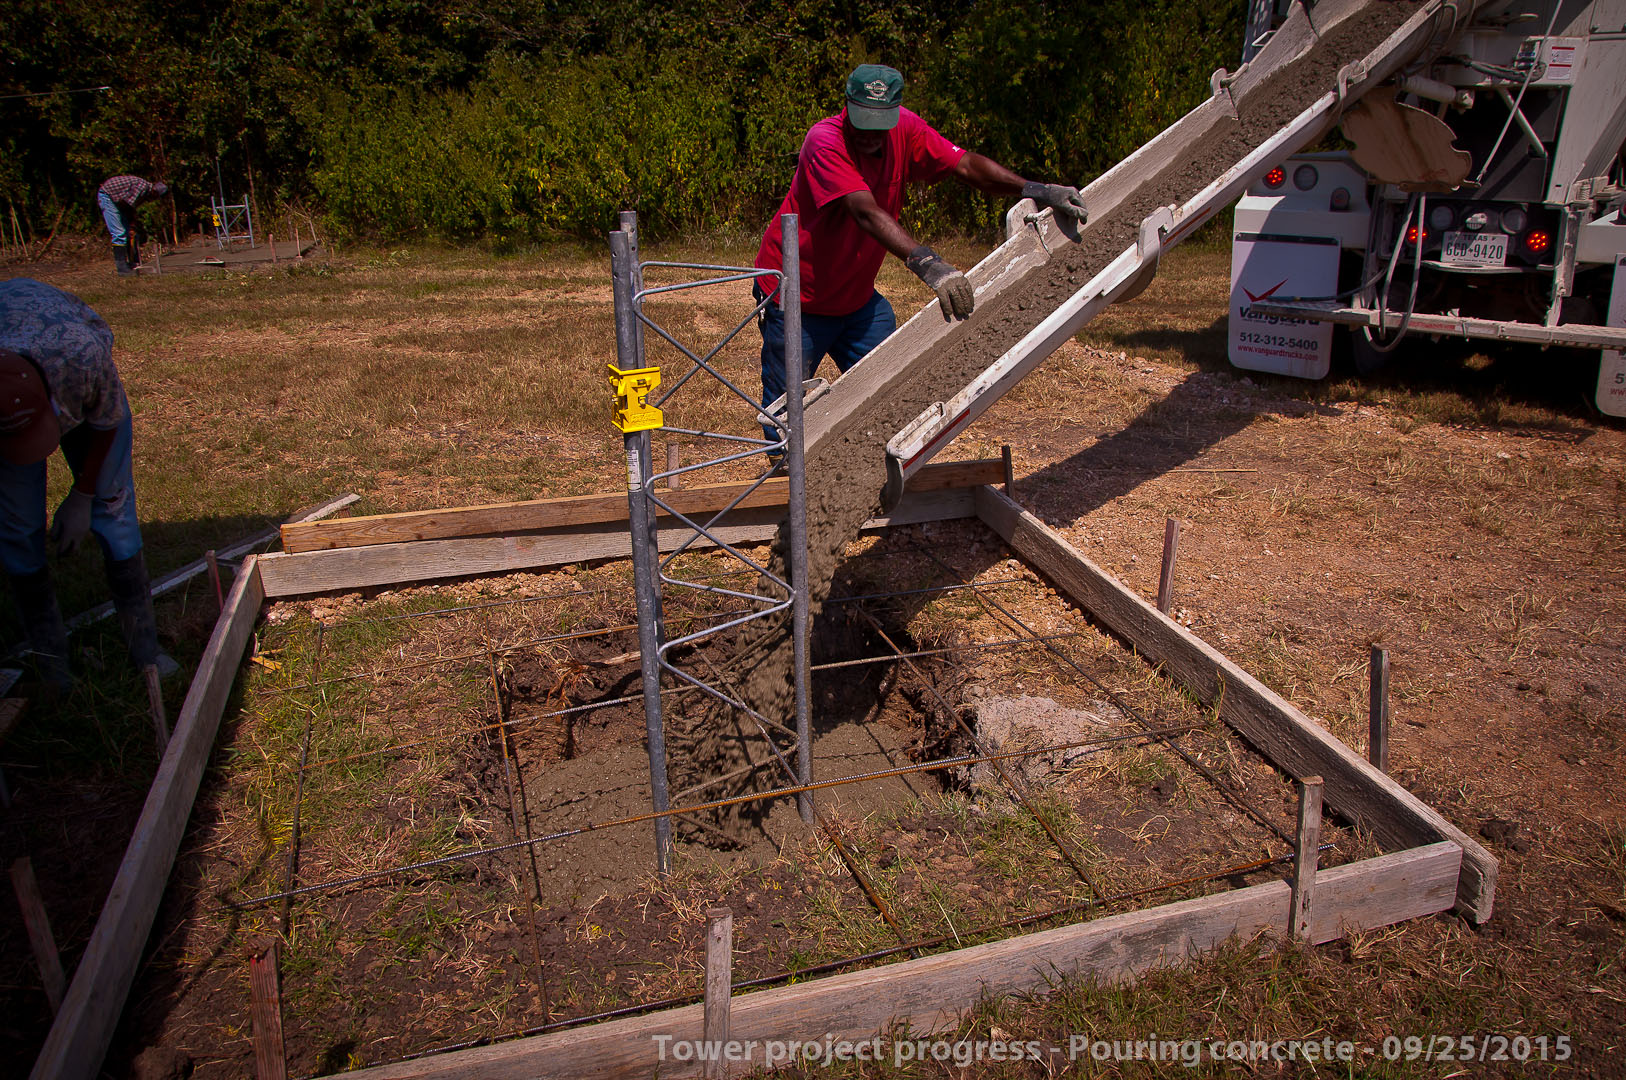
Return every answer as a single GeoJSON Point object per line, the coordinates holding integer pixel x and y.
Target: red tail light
{"type": "Point", "coordinates": [1537, 241]}
{"type": "Point", "coordinates": [1275, 178]}
{"type": "Point", "coordinates": [1412, 234]}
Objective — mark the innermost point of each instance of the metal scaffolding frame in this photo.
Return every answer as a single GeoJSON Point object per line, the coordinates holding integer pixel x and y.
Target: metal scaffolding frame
{"type": "Point", "coordinates": [232, 221]}
{"type": "Point", "coordinates": [640, 410]}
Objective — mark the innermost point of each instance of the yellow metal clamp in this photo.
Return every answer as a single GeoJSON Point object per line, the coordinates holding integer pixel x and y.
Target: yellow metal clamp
{"type": "Point", "coordinates": [633, 412]}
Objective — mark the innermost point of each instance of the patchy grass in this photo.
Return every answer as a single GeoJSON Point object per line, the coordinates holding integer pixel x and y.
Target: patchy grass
{"type": "Point", "coordinates": [435, 377]}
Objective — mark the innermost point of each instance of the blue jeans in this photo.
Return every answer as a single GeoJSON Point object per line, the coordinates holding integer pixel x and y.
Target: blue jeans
{"type": "Point", "coordinates": [112, 512]}
{"type": "Point", "coordinates": [845, 338]}
{"type": "Point", "coordinates": [116, 217]}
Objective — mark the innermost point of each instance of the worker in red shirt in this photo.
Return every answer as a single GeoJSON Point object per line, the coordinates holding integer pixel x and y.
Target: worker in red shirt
{"type": "Point", "coordinates": [847, 192]}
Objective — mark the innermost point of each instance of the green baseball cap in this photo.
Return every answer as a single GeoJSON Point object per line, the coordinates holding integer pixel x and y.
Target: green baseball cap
{"type": "Point", "coordinates": [874, 92]}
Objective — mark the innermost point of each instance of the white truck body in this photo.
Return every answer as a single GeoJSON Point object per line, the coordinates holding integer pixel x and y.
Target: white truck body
{"type": "Point", "coordinates": [1524, 242]}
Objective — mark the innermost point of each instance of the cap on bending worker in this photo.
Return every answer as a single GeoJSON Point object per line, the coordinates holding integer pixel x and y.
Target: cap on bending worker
{"type": "Point", "coordinates": [58, 387]}
{"type": "Point", "coordinates": [848, 189]}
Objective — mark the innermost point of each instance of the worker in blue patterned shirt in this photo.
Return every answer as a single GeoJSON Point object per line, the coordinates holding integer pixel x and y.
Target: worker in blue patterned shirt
{"type": "Point", "coordinates": [58, 387]}
{"type": "Point", "coordinates": [118, 198]}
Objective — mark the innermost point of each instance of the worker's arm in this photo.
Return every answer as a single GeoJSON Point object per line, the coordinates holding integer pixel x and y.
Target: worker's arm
{"type": "Point", "coordinates": [988, 175]}
{"type": "Point", "coordinates": [97, 447]}
{"type": "Point", "coordinates": [878, 223]}
{"type": "Point", "coordinates": [953, 291]}
{"type": "Point", "coordinates": [71, 524]}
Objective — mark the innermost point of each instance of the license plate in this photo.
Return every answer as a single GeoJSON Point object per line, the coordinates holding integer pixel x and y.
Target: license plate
{"type": "Point", "coordinates": [1474, 249]}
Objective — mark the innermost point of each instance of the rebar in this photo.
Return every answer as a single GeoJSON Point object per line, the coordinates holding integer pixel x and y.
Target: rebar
{"type": "Point", "coordinates": [1018, 788]}
{"type": "Point", "coordinates": [517, 815]}
{"type": "Point", "coordinates": [797, 974]}
{"type": "Point", "coordinates": [672, 691]}
{"type": "Point", "coordinates": [580, 635]}
{"type": "Point", "coordinates": [299, 792]}
{"type": "Point", "coordinates": [1235, 798]}
{"type": "Point", "coordinates": [716, 804]}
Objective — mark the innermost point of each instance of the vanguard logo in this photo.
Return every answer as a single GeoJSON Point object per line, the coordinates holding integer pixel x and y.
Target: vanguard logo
{"type": "Point", "coordinates": [1267, 294]}
{"type": "Point", "coordinates": [1252, 314]}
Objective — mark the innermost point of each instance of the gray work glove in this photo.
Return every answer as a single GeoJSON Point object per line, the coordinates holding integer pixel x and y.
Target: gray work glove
{"type": "Point", "coordinates": [72, 522]}
{"type": "Point", "coordinates": [953, 291]}
{"type": "Point", "coordinates": [1065, 201]}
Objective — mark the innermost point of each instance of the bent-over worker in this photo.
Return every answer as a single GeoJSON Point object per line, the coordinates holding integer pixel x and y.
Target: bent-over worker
{"type": "Point", "coordinates": [847, 191]}
{"type": "Point", "coordinates": [118, 198]}
{"type": "Point", "coordinates": [58, 386]}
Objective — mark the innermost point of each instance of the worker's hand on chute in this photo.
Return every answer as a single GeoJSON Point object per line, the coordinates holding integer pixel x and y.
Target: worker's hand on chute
{"type": "Point", "coordinates": [71, 524]}
{"type": "Point", "coordinates": [953, 291]}
{"type": "Point", "coordinates": [1065, 201]}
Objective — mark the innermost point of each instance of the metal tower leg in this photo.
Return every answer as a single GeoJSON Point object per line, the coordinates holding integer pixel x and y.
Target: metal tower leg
{"type": "Point", "coordinates": [645, 568]}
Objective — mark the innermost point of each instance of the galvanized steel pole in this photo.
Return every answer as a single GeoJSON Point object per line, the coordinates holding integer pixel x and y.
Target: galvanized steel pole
{"type": "Point", "coordinates": [623, 269]}
{"type": "Point", "coordinates": [790, 302]}
{"type": "Point", "coordinates": [629, 226]}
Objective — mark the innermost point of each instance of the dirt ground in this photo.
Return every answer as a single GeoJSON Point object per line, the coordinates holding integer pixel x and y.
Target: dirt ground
{"type": "Point", "coordinates": [404, 767]}
{"type": "Point", "coordinates": [1464, 512]}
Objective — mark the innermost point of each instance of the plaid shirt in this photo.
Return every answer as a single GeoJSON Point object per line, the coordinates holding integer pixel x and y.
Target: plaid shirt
{"type": "Point", "coordinates": [73, 348]}
{"type": "Point", "coordinates": [125, 189]}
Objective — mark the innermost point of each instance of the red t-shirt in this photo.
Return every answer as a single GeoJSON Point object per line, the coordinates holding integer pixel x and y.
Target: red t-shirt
{"type": "Point", "coordinates": [839, 259]}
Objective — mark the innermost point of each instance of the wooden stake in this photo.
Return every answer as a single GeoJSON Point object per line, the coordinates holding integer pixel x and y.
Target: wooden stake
{"type": "Point", "coordinates": [1010, 471]}
{"type": "Point", "coordinates": [1165, 580]}
{"type": "Point", "coordinates": [1377, 747]}
{"type": "Point", "coordinates": [155, 702]}
{"type": "Point", "coordinates": [1306, 853]}
{"type": "Point", "coordinates": [719, 986]}
{"type": "Point", "coordinates": [674, 461]}
{"type": "Point", "coordinates": [10, 709]}
{"type": "Point", "coordinates": [272, 239]}
{"type": "Point", "coordinates": [213, 562]}
{"type": "Point", "coordinates": [265, 995]}
{"type": "Point", "coordinates": [39, 931]}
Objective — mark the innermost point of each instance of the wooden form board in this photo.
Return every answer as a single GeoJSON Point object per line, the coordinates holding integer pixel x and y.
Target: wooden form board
{"type": "Point", "coordinates": [305, 572]}
{"type": "Point", "coordinates": [932, 992]}
{"type": "Point", "coordinates": [507, 519]}
{"type": "Point", "coordinates": [84, 1027]}
{"type": "Point", "coordinates": [923, 993]}
{"type": "Point", "coordinates": [1296, 744]}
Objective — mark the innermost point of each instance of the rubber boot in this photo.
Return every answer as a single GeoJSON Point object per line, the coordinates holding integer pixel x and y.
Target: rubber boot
{"type": "Point", "coordinates": [132, 599]}
{"type": "Point", "coordinates": [121, 260]}
{"type": "Point", "coordinates": [47, 634]}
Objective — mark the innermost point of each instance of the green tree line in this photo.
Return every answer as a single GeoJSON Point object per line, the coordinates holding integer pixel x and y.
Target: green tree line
{"type": "Point", "coordinates": [520, 120]}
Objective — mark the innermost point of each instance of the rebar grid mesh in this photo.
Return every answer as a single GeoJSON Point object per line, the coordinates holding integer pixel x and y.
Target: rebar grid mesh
{"type": "Point", "coordinates": [485, 716]}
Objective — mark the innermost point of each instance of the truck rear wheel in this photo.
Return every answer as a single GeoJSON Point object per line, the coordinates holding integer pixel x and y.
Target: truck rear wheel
{"type": "Point", "coordinates": [1366, 359]}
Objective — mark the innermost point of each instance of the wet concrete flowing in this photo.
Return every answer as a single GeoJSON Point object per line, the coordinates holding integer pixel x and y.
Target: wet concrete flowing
{"type": "Point", "coordinates": [846, 471]}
